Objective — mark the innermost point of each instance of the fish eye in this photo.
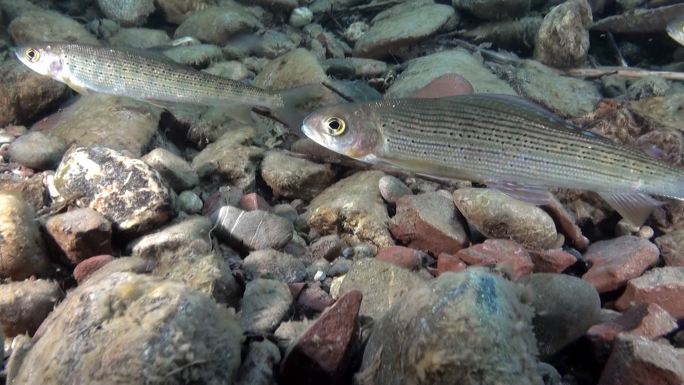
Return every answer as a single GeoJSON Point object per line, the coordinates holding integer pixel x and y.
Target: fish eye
{"type": "Point", "coordinates": [334, 126]}
{"type": "Point", "coordinates": [32, 55]}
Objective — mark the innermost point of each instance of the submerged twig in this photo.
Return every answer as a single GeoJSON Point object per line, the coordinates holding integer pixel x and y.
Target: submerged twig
{"type": "Point", "coordinates": [631, 72]}
{"type": "Point", "coordinates": [616, 49]}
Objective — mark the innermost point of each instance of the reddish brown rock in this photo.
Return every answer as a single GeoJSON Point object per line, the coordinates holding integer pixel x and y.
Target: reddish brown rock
{"type": "Point", "coordinates": [87, 267]}
{"type": "Point", "coordinates": [428, 222]}
{"type": "Point", "coordinates": [618, 260]}
{"type": "Point", "coordinates": [645, 320]}
{"type": "Point", "coordinates": [671, 247]}
{"type": "Point", "coordinates": [327, 247]}
{"type": "Point", "coordinates": [447, 262]}
{"type": "Point", "coordinates": [321, 355]}
{"type": "Point", "coordinates": [313, 299]}
{"type": "Point", "coordinates": [401, 256]}
{"type": "Point", "coordinates": [663, 286]}
{"type": "Point", "coordinates": [254, 201]}
{"type": "Point", "coordinates": [566, 224]}
{"type": "Point", "coordinates": [640, 361]}
{"type": "Point", "coordinates": [81, 234]}
{"type": "Point", "coordinates": [551, 261]}
{"type": "Point", "coordinates": [499, 252]}
{"type": "Point", "coordinates": [25, 304]}
{"type": "Point", "coordinates": [445, 85]}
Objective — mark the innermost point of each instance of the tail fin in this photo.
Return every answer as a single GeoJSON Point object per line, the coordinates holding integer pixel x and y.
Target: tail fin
{"type": "Point", "coordinates": [298, 103]}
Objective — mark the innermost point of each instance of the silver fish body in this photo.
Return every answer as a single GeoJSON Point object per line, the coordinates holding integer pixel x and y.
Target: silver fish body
{"type": "Point", "coordinates": [675, 29]}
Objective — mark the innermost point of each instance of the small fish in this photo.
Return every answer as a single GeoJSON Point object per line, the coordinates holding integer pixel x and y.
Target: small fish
{"type": "Point", "coordinates": [503, 141]}
{"type": "Point", "coordinates": [89, 68]}
{"type": "Point", "coordinates": [675, 29]}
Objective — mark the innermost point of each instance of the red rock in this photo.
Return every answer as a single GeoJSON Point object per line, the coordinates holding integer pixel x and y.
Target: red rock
{"type": "Point", "coordinates": [321, 354]}
{"type": "Point", "coordinates": [80, 234]}
{"type": "Point", "coordinates": [447, 262]}
{"type": "Point", "coordinates": [671, 246]}
{"type": "Point", "coordinates": [328, 247]}
{"type": "Point", "coordinates": [428, 222]}
{"type": "Point", "coordinates": [86, 268]}
{"type": "Point", "coordinates": [566, 224]}
{"type": "Point", "coordinates": [663, 286]}
{"type": "Point", "coordinates": [645, 320]}
{"type": "Point", "coordinates": [253, 201]}
{"type": "Point", "coordinates": [499, 252]}
{"type": "Point", "coordinates": [401, 256]}
{"type": "Point", "coordinates": [616, 261]}
{"type": "Point", "coordinates": [551, 261]}
{"type": "Point", "coordinates": [313, 298]}
{"type": "Point", "coordinates": [445, 85]}
{"type": "Point", "coordinates": [640, 361]}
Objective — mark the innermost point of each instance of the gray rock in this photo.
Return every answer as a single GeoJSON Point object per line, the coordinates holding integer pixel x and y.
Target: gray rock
{"type": "Point", "coordinates": [327, 247]}
{"type": "Point", "coordinates": [25, 304]}
{"type": "Point", "coordinates": [294, 177]}
{"type": "Point", "coordinates": [286, 211]}
{"type": "Point", "coordinates": [300, 17]}
{"type": "Point", "coordinates": [260, 365]}
{"type": "Point", "coordinates": [648, 87]}
{"type": "Point", "coordinates": [218, 24]}
{"type": "Point", "coordinates": [180, 175]}
{"type": "Point", "coordinates": [355, 67]}
{"type": "Point", "coordinates": [565, 307]}
{"type": "Point", "coordinates": [125, 190]}
{"type": "Point", "coordinates": [177, 11]}
{"type": "Point", "coordinates": [563, 37]}
{"type": "Point", "coordinates": [275, 4]}
{"type": "Point", "coordinates": [465, 328]}
{"type": "Point", "coordinates": [128, 13]}
{"type": "Point", "coordinates": [234, 70]}
{"type": "Point", "coordinates": [16, 8]}
{"type": "Point", "coordinates": [80, 234]}
{"type": "Point", "coordinates": [496, 215]}
{"type": "Point", "coordinates": [339, 267]}
{"type": "Point", "coordinates": [392, 188]}
{"type": "Point", "coordinates": [514, 35]}
{"type": "Point", "coordinates": [187, 236]}
{"type": "Point", "coordinates": [139, 38]}
{"type": "Point", "coordinates": [493, 9]}
{"type": "Point", "coordinates": [103, 28]}
{"type": "Point", "coordinates": [272, 264]}
{"type": "Point", "coordinates": [190, 202]}
{"type": "Point", "coordinates": [199, 55]}
{"type": "Point", "coordinates": [273, 44]}
{"type": "Point", "coordinates": [671, 247]}
{"type": "Point", "coordinates": [37, 150]}
{"type": "Point", "coordinates": [265, 303]}
{"type": "Point", "coordinates": [82, 339]}
{"type": "Point", "coordinates": [48, 26]}
{"type": "Point", "coordinates": [254, 230]}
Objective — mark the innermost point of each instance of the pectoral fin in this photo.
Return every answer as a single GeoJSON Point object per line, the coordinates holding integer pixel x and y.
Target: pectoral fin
{"type": "Point", "coordinates": [633, 206]}
{"type": "Point", "coordinates": [537, 195]}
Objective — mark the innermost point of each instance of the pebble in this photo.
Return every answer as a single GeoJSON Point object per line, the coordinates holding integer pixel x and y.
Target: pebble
{"type": "Point", "coordinates": [616, 261]}
{"type": "Point", "coordinates": [37, 150]}
{"type": "Point", "coordinates": [292, 177]}
{"type": "Point", "coordinates": [671, 247]}
{"type": "Point", "coordinates": [142, 38]}
{"type": "Point", "coordinates": [25, 304]}
{"type": "Point", "coordinates": [493, 9]}
{"type": "Point", "coordinates": [313, 299]}
{"type": "Point", "coordinates": [48, 26]}
{"type": "Point", "coordinates": [253, 230]}
{"type": "Point", "coordinates": [174, 169]}
{"type": "Point", "coordinates": [259, 366]}
{"type": "Point", "coordinates": [566, 224]}
{"type": "Point", "coordinates": [443, 86]}
{"type": "Point", "coordinates": [286, 211]}
{"type": "Point", "coordinates": [401, 256]}
{"type": "Point", "coordinates": [177, 11]}
{"type": "Point", "coordinates": [216, 25]}
{"type": "Point", "coordinates": [80, 234]}
{"type": "Point", "coordinates": [353, 67]}
{"type": "Point", "coordinates": [272, 264]}
{"type": "Point", "coordinates": [33, 189]}
{"type": "Point", "coordinates": [273, 44]}
{"type": "Point", "coordinates": [233, 70]}
{"type": "Point", "coordinates": [355, 30]}
{"type": "Point", "coordinates": [668, 141]}
{"type": "Point", "coordinates": [506, 255]}
{"type": "Point", "coordinates": [224, 196]}
{"type": "Point", "coordinates": [327, 247]}
{"type": "Point", "coordinates": [663, 286]}
{"type": "Point", "coordinates": [87, 267]}
{"type": "Point", "coordinates": [190, 202]}
{"type": "Point", "coordinates": [648, 87]}
{"type": "Point", "coordinates": [125, 190]}
{"type": "Point", "coordinates": [128, 13]}
{"type": "Point", "coordinates": [447, 262]}
{"type": "Point", "coordinates": [184, 236]}
{"type": "Point", "coordinates": [392, 188]}
{"type": "Point", "coordinates": [467, 328]}
{"type": "Point", "coordinates": [254, 201]}
{"type": "Point", "coordinates": [339, 267]}
{"type": "Point", "coordinates": [300, 17]}
{"type": "Point", "coordinates": [563, 37]}
{"type": "Point", "coordinates": [198, 55]}
{"type": "Point", "coordinates": [551, 260]}
{"type": "Point", "coordinates": [645, 320]}
{"type": "Point", "coordinates": [265, 303]}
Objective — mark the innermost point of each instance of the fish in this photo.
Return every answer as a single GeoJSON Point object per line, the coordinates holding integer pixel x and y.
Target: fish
{"type": "Point", "coordinates": [504, 141]}
{"type": "Point", "coordinates": [675, 29]}
{"type": "Point", "coordinates": [145, 76]}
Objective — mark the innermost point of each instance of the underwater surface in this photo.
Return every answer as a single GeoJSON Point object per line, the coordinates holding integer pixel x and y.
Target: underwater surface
{"type": "Point", "coordinates": [342, 192]}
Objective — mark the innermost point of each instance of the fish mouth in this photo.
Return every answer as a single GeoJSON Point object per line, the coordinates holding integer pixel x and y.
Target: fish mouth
{"type": "Point", "coordinates": [312, 134]}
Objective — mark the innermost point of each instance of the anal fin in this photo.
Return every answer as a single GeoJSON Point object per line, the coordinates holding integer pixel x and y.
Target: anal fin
{"type": "Point", "coordinates": [633, 206]}
{"type": "Point", "coordinates": [537, 195]}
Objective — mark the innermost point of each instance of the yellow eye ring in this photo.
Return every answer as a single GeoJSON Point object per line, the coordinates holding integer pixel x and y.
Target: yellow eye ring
{"type": "Point", "coordinates": [32, 55]}
{"type": "Point", "coordinates": [335, 126]}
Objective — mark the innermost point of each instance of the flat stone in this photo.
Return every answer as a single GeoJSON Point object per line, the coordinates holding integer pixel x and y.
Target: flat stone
{"type": "Point", "coordinates": [552, 260]}
{"type": "Point", "coordinates": [259, 366]}
{"type": "Point", "coordinates": [254, 201]}
{"type": "Point", "coordinates": [218, 24]}
{"type": "Point", "coordinates": [142, 38]}
{"type": "Point", "coordinates": [80, 234]}
{"type": "Point", "coordinates": [355, 67]}
{"type": "Point", "coordinates": [663, 286]}
{"type": "Point", "coordinates": [327, 247]}
{"type": "Point", "coordinates": [253, 230]}
{"type": "Point", "coordinates": [174, 169]}
{"type": "Point", "coordinates": [563, 37]}
{"type": "Point", "coordinates": [87, 267]}
{"type": "Point", "coordinates": [313, 299]}
{"type": "Point", "coordinates": [443, 86]}
{"type": "Point", "coordinates": [37, 150]}
{"type": "Point", "coordinates": [391, 188]}
{"type": "Point", "coordinates": [493, 9]}
{"type": "Point", "coordinates": [645, 320]}
{"type": "Point", "coordinates": [616, 261]}
{"type": "Point", "coordinates": [505, 254]}
{"type": "Point", "coordinates": [25, 304]}
{"type": "Point", "coordinates": [671, 247]}
{"type": "Point", "coordinates": [264, 304]}
{"type": "Point", "coordinates": [272, 264]}
{"type": "Point", "coordinates": [127, 12]}
{"type": "Point", "coordinates": [176, 11]}
{"type": "Point", "coordinates": [198, 56]}
{"type": "Point", "coordinates": [447, 262]}
{"type": "Point", "coordinates": [401, 256]}
{"type": "Point", "coordinates": [292, 177]}
{"type": "Point", "coordinates": [190, 202]}
{"type": "Point", "coordinates": [50, 26]}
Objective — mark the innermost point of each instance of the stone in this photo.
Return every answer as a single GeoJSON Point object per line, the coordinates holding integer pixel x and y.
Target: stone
{"type": "Point", "coordinates": [272, 44]}
{"type": "Point", "coordinates": [428, 222]}
{"type": "Point", "coordinates": [259, 366]}
{"type": "Point", "coordinates": [322, 354]}
{"type": "Point", "coordinates": [353, 204]}
{"type": "Point", "coordinates": [22, 251]}
{"type": "Point", "coordinates": [671, 247]}
{"type": "Point", "coordinates": [233, 70]}
{"type": "Point", "coordinates": [177, 11]}
{"type": "Point", "coordinates": [174, 169]}
{"type": "Point", "coordinates": [124, 190]}
{"type": "Point", "coordinates": [253, 230]}
{"type": "Point", "coordinates": [190, 202]}
{"type": "Point", "coordinates": [32, 189]}
{"type": "Point", "coordinates": [392, 188]}
{"type": "Point", "coordinates": [313, 299]}
{"type": "Point", "coordinates": [265, 303]}
{"type": "Point", "coordinates": [198, 55]}
{"type": "Point", "coordinates": [667, 143]}
{"type": "Point", "coordinates": [493, 9]}
{"type": "Point", "coordinates": [292, 177]}
{"type": "Point", "coordinates": [401, 256]}
{"type": "Point", "coordinates": [352, 67]}
{"type": "Point", "coordinates": [563, 37]}
{"type": "Point", "coordinates": [566, 224]}
{"type": "Point", "coordinates": [142, 38]}
{"type": "Point", "coordinates": [50, 26]}
{"type": "Point", "coordinates": [216, 25]}
{"type": "Point", "coordinates": [638, 360]}
{"type": "Point", "coordinates": [465, 328]}
{"type": "Point", "coordinates": [37, 150]}
{"type": "Point", "coordinates": [506, 255]}
{"type": "Point", "coordinates": [300, 17]}
{"type": "Point", "coordinates": [272, 264]}
{"type": "Point", "coordinates": [80, 234]}
{"type": "Point", "coordinates": [327, 247]}
{"type": "Point", "coordinates": [445, 85]}
{"type": "Point", "coordinates": [496, 215]}
{"type": "Point", "coordinates": [254, 201]}
{"type": "Point", "coordinates": [184, 236]}
{"type": "Point", "coordinates": [128, 13]}
{"type": "Point", "coordinates": [382, 284]}
{"type": "Point", "coordinates": [663, 286]}
{"type": "Point", "coordinates": [86, 268]}
{"type": "Point", "coordinates": [645, 320]}
{"type": "Point", "coordinates": [552, 260]}
{"type": "Point", "coordinates": [648, 87]}
{"type": "Point", "coordinates": [25, 304]}
{"type": "Point", "coordinates": [26, 94]}
{"type": "Point", "coordinates": [565, 307]}
{"type": "Point", "coordinates": [401, 26]}
{"type": "Point", "coordinates": [616, 261]}
{"type": "Point", "coordinates": [82, 338]}
{"type": "Point", "coordinates": [447, 262]}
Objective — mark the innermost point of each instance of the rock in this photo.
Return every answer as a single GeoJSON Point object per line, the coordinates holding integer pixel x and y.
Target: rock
{"type": "Point", "coordinates": [275, 4]}
{"type": "Point", "coordinates": [515, 35]}
{"type": "Point", "coordinates": [671, 247]}
{"type": "Point", "coordinates": [505, 254]}
{"type": "Point", "coordinates": [114, 122]}
{"type": "Point", "coordinates": [293, 177]}
{"type": "Point", "coordinates": [25, 304]}
{"type": "Point", "coordinates": [254, 201]}
{"type": "Point", "coordinates": [382, 284]}
{"type": "Point", "coordinates": [421, 71]}
{"type": "Point", "coordinates": [183, 237]}
{"type": "Point", "coordinates": [86, 268]}
{"type": "Point", "coordinates": [322, 354]}
{"type": "Point", "coordinates": [313, 299]}
{"type": "Point", "coordinates": [177, 11]}
{"type": "Point", "coordinates": [174, 169]}
{"type": "Point", "coordinates": [668, 143]}
{"type": "Point", "coordinates": [82, 338]}
{"type": "Point", "coordinates": [264, 305]}
{"type": "Point", "coordinates": [80, 234]}
{"type": "Point", "coordinates": [616, 261]}
{"type": "Point", "coordinates": [327, 247]}
{"type": "Point", "coordinates": [552, 260]}
{"type": "Point", "coordinates": [273, 44]}
{"type": "Point", "coordinates": [233, 69]}
{"type": "Point", "coordinates": [493, 9]}
{"type": "Point", "coordinates": [50, 26]}
{"type": "Point", "coordinates": [274, 264]}
{"type": "Point", "coordinates": [125, 190]}
{"type": "Point", "coordinates": [352, 204]}
{"type": "Point", "coordinates": [563, 37]}
{"type": "Point", "coordinates": [218, 24]}
{"type": "Point", "coordinates": [300, 17]}
{"type": "Point", "coordinates": [391, 188]}
{"type": "Point", "coordinates": [352, 67]}
{"type": "Point", "coordinates": [32, 189]}
{"type": "Point", "coordinates": [565, 307]}
{"type": "Point", "coordinates": [37, 150]}
{"type": "Point", "coordinates": [142, 38]}
{"type": "Point", "coordinates": [355, 30]}
{"type": "Point", "coordinates": [566, 224]}
{"type": "Point", "coordinates": [401, 26]}
{"type": "Point", "coordinates": [259, 366]}
{"type": "Point", "coordinates": [638, 360]}
{"type": "Point", "coordinates": [662, 285]}
{"type": "Point", "coordinates": [664, 110]}
{"type": "Point", "coordinates": [447, 262]}
{"type": "Point", "coordinates": [26, 94]}
{"type": "Point", "coordinates": [496, 215]}
{"type": "Point", "coordinates": [648, 87]}
{"type": "Point", "coordinates": [465, 328]}
{"type": "Point", "coordinates": [445, 85]}
{"type": "Point", "coordinates": [253, 230]}
{"type": "Point", "coordinates": [190, 202]}
{"type": "Point", "coordinates": [401, 256]}
{"type": "Point", "coordinates": [199, 55]}
{"type": "Point", "coordinates": [22, 251]}
{"type": "Point", "coordinates": [128, 13]}
{"type": "Point", "coordinates": [645, 320]}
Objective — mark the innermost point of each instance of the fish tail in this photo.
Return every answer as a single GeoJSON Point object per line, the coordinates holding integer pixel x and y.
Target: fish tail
{"type": "Point", "coordinates": [297, 103]}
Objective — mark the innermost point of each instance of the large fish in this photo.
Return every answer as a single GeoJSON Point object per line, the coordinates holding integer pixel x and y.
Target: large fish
{"type": "Point", "coordinates": [148, 77]}
{"type": "Point", "coordinates": [675, 29]}
{"type": "Point", "coordinates": [506, 142]}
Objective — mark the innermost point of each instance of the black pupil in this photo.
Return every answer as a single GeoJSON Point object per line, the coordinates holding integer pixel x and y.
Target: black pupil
{"type": "Point", "coordinates": [334, 124]}
{"type": "Point", "coordinates": [31, 54]}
